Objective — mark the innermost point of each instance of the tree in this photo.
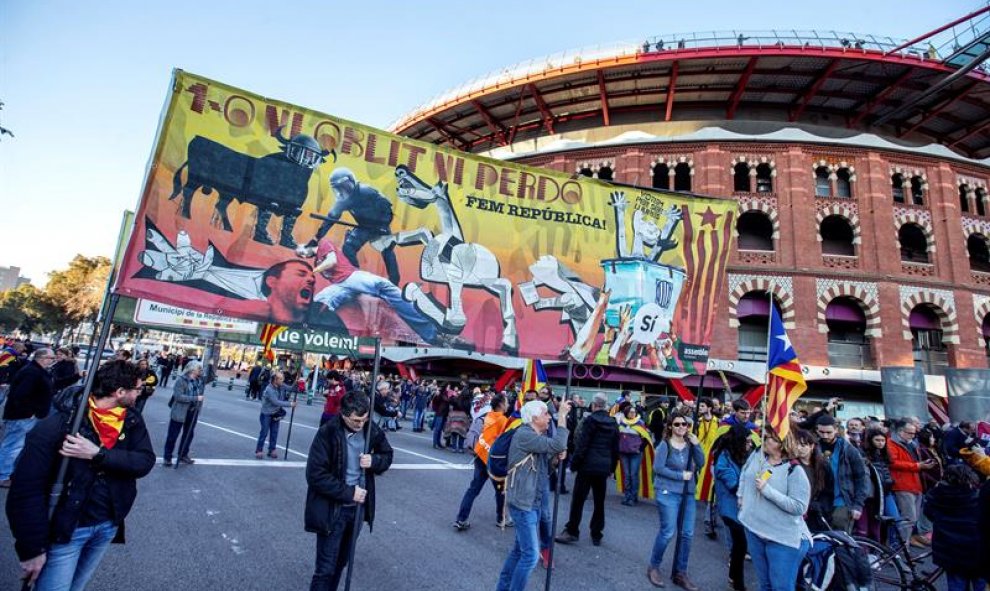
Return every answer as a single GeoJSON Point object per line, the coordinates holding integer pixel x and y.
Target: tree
{"type": "Point", "coordinates": [78, 290]}
{"type": "Point", "coordinates": [27, 308]}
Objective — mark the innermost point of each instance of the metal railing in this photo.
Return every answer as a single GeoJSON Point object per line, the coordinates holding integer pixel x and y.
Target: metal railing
{"type": "Point", "coordinates": [935, 48]}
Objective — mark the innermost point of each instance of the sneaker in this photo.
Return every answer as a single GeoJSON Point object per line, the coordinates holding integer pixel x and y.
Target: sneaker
{"type": "Point", "coordinates": [920, 542]}
{"type": "Point", "coordinates": [505, 523]}
{"type": "Point", "coordinates": [167, 464]}
{"type": "Point", "coordinates": [187, 460]}
{"type": "Point", "coordinates": [273, 454]}
{"type": "Point", "coordinates": [462, 525]}
{"type": "Point", "coordinates": [654, 576]}
{"type": "Point", "coordinates": [258, 455]}
{"type": "Point", "coordinates": [566, 537]}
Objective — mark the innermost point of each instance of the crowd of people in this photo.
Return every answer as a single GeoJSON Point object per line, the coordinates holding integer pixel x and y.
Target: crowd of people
{"type": "Point", "coordinates": [896, 481]}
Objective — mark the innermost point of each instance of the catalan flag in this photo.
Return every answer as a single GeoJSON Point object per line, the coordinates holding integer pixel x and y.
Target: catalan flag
{"type": "Point", "coordinates": [268, 334]}
{"type": "Point", "coordinates": [785, 382]}
{"type": "Point", "coordinates": [534, 378]}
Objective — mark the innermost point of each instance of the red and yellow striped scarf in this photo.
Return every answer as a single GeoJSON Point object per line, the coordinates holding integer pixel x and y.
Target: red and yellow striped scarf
{"type": "Point", "coordinates": [107, 422]}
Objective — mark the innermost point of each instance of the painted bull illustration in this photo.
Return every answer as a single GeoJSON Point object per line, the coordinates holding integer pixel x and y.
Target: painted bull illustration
{"type": "Point", "coordinates": [277, 184]}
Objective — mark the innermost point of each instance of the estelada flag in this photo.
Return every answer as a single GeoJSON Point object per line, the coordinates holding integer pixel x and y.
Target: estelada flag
{"type": "Point", "coordinates": [785, 382]}
{"type": "Point", "coordinates": [268, 334]}
{"type": "Point", "coordinates": [534, 378]}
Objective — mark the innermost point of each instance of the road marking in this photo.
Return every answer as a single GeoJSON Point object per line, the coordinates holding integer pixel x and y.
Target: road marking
{"type": "Point", "coordinates": [297, 464]}
{"type": "Point", "coordinates": [298, 453]}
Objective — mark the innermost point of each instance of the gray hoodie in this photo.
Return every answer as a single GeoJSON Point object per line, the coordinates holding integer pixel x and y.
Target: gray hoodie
{"type": "Point", "coordinates": [531, 453]}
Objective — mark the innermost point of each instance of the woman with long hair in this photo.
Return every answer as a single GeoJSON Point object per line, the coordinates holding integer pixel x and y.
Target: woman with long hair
{"type": "Point", "coordinates": [820, 478]}
{"type": "Point", "coordinates": [774, 494]}
{"type": "Point", "coordinates": [633, 439]}
{"type": "Point", "coordinates": [679, 459]}
{"type": "Point", "coordinates": [731, 451]}
{"type": "Point", "coordinates": [882, 502]}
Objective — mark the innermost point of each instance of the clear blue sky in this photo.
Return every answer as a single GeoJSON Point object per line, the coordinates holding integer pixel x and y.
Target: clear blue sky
{"type": "Point", "coordinates": [84, 82]}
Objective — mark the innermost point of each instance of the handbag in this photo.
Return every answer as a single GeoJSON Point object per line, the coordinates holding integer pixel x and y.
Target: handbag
{"type": "Point", "coordinates": [278, 414]}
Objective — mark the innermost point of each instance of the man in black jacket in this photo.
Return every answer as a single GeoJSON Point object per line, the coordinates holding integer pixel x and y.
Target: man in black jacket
{"type": "Point", "coordinates": [29, 400]}
{"type": "Point", "coordinates": [106, 457]}
{"type": "Point", "coordinates": [596, 454]}
{"type": "Point", "coordinates": [341, 479]}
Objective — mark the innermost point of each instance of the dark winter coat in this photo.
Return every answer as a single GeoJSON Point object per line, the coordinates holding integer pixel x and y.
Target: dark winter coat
{"type": "Point", "coordinates": [132, 457]}
{"type": "Point", "coordinates": [955, 534]}
{"type": "Point", "coordinates": [854, 483]}
{"type": "Point", "coordinates": [596, 446]}
{"type": "Point", "coordinates": [30, 395]}
{"type": "Point", "coordinates": [326, 475]}
{"type": "Point", "coordinates": [983, 526]}
{"type": "Point", "coordinates": [65, 373]}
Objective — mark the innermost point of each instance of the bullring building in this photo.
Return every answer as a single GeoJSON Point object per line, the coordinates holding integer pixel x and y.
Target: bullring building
{"type": "Point", "coordinates": [860, 165]}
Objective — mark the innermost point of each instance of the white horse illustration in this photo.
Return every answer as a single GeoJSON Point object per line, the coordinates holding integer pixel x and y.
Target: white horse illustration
{"type": "Point", "coordinates": [448, 259]}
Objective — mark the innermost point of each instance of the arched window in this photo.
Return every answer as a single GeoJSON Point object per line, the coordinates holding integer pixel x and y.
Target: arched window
{"type": "Point", "coordinates": [985, 332]}
{"type": "Point", "coordinates": [585, 171]}
{"type": "Point", "coordinates": [764, 178]}
{"type": "Point", "coordinates": [753, 312]}
{"type": "Point", "coordinates": [740, 178]}
{"type": "Point", "coordinates": [981, 202]}
{"type": "Point", "coordinates": [964, 198]}
{"type": "Point", "coordinates": [823, 186]}
{"type": "Point", "coordinates": [979, 253]}
{"type": "Point", "coordinates": [897, 187]}
{"type": "Point", "coordinates": [930, 352]}
{"type": "Point", "coordinates": [914, 244]}
{"type": "Point", "coordinates": [605, 173]}
{"type": "Point", "coordinates": [917, 190]}
{"type": "Point", "coordinates": [755, 231]}
{"type": "Point", "coordinates": [682, 177]}
{"type": "Point", "coordinates": [837, 236]}
{"type": "Point", "coordinates": [661, 177]}
{"type": "Point", "coordinates": [848, 345]}
{"type": "Point", "coordinates": [843, 186]}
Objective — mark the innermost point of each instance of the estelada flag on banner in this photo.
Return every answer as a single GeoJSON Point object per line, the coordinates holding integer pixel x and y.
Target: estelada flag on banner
{"type": "Point", "coordinates": [785, 382]}
{"type": "Point", "coordinates": [268, 334]}
{"type": "Point", "coordinates": [534, 378]}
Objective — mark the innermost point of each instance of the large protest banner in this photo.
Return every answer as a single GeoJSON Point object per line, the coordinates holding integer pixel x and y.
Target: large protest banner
{"type": "Point", "coordinates": [417, 243]}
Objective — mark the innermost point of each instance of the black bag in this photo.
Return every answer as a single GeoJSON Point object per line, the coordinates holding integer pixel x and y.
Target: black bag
{"type": "Point", "coordinates": [279, 414]}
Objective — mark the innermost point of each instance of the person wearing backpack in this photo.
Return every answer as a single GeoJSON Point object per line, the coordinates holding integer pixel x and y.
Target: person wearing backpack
{"type": "Point", "coordinates": [494, 423]}
{"type": "Point", "coordinates": [526, 483]}
{"type": "Point", "coordinates": [953, 506]}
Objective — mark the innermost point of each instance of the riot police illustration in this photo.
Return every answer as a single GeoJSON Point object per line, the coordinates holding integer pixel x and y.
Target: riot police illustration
{"type": "Point", "coordinates": [373, 213]}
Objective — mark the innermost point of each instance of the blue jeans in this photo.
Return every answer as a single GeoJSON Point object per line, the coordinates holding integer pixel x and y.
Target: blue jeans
{"type": "Point", "coordinates": [776, 564]}
{"type": "Point", "coordinates": [14, 433]}
{"type": "Point", "coordinates": [362, 282]}
{"type": "Point", "coordinates": [438, 423]}
{"type": "Point", "coordinates": [668, 506]}
{"type": "Point", "coordinates": [546, 517]}
{"type": "Point", "coordinates": [525, 553]}
{"type": "Point", "coordinates": [456, 442]}
{"type": "Point", "coordinates": [474, 489]}
{"type": "Point", "coordinates": [70, 566]}
{"type": "Point", "coordinates": [419, 415]}
{"type": "Point", "coordinates": [630, 475]}
{"type": "Point", "coordinates": [268, 427]}
{"type": "Point", "coordinates": [956, 582]}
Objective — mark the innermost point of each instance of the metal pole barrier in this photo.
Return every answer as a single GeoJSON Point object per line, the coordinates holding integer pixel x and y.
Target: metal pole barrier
{"type": "Point", "coordinates": [359, 514]}
{"type": "Point", "coordinates": [556, 490]}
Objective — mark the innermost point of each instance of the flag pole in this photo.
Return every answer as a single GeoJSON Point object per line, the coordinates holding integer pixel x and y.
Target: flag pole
{"type": "Point", "coordinates": [295, 397]}
{"type": "Point", "coordinates": [359, 514]}
{"type": "Point", "coordinates": [560, 483]}
{"type": "Point", "coordinates": [766, 371]}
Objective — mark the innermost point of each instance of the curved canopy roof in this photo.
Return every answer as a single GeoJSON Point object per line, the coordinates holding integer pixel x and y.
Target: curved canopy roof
{"type": "Point", "coordinates": [856, 82]}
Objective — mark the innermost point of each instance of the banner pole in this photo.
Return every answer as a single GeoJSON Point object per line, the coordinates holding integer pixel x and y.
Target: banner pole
{"type": "Point", "coordinates": [83, 405]}
{"type": "Point", "coordinates": [359, 514]}
{"type": "Point", "coordinates": [295, 398]}
{"type": "Point", "coordinates": [560, 483]}
{"type": "Point", "coordinates": [766, 371]}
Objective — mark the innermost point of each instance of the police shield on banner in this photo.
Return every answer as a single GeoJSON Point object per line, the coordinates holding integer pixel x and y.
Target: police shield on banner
{"type": "Point", "coordinates": [904, 392]}
{"type": "Point", "coordinates": [969, 394]}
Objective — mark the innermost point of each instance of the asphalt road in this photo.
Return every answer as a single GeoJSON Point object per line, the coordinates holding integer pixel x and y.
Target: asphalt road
{"type": "Point", "coordinates": [231, 522]}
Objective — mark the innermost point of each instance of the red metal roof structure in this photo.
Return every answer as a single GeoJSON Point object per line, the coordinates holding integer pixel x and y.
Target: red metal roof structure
{"type": "Point", "coordinates": [916, 92]}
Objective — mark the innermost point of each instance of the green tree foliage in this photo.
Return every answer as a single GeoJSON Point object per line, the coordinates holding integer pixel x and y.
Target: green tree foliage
{"type": "Point", "coordinates": [28, 309]}
{"type": "Point", "coordinates": [78, 290]}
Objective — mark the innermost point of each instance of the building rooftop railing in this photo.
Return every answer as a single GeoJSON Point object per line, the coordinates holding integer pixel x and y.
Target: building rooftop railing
{"type": "Point", "coordinates": [935, 48]}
